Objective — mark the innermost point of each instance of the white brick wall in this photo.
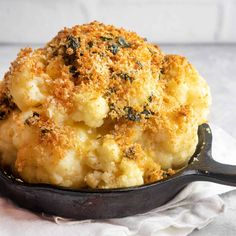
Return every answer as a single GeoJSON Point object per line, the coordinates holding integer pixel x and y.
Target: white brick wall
{"type": "Point", "coordinates": [228, 29]}
{"type": "Point", "coordinates": [163, 21]}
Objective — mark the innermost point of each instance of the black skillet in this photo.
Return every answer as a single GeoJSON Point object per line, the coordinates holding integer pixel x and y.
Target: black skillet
{"type": "Point", "coordinates": [113, 203]}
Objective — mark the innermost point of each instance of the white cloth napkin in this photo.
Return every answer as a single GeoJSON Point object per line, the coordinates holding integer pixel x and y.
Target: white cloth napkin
{"type": "Point", "coordinates": [193, 208]}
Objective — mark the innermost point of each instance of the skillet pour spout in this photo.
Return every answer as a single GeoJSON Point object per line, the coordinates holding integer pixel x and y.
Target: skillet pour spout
{"type": "Point", "coordinates": [113, 203]}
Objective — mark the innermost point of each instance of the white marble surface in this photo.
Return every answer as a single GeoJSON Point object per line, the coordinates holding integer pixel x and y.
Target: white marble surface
{"type": "Point", "coordinates": [217, 64]}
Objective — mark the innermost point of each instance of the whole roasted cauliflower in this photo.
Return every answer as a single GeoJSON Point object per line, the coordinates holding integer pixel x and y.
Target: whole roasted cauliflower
{"type": "Point", "coordinates": [99, 107]}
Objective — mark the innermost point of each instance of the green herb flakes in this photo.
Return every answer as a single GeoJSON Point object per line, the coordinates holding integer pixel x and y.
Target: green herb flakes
{"type": "Point", "coordinates": [73, 69]}
{"type": "Point", "coordinates": [131, 114]}
{"type": "Point", "coordinates": [90, 44]}
{"type": "Point", "coordinates": [3, 115]}
{"type": "Point", "coordinates": [139, 64]}
{"type": "Point", "coordinates": [113, 48]}
{"type": "Point", "coordinates": [73, 42]}
{"type": "Point", "coordinates": [123, 43]}
{"type": "Point", "coordinates": [105, 38]}
{"type": "Point", "coordinates": [45, 130]}
{"type": "Point", "coordinates": [126, 77]}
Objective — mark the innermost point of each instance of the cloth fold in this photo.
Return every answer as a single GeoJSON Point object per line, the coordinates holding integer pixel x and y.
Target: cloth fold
{"type": "Point", "coordinates": [193, 208]}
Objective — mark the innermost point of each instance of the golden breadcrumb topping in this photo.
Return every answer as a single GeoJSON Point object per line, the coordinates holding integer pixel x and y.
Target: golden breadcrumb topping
{"type": "Point", "coordinates": [99, 107]}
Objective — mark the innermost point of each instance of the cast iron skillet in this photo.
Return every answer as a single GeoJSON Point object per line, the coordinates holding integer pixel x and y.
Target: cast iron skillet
{"type": "Point", "coordinates": [113, 203]}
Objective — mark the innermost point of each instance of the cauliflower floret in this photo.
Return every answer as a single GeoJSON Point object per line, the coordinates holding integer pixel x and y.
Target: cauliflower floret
{"type": "Point", "coordinates": [93, 178]}
{"type": "Point", "coordinates": [69, 170]}
{"type": "Point", "coordinates": [131, 175]}
{"type": "Point", "coordinates": [108, 154]}
{"type": "Point", "coordinates": [59, 167]}
{"type": "Point", "coordinates": [56, 112]}
{"type": "Point", "coordinates": [186, 101]}
{"type": "Point", "coordinates": [27, 88]}
{"type": "Point", "coordinates": [29, 93]}
{"type": "Point", "coordinates": [105, 160]}
{"type": "Point", "coordinates": [90, 110]}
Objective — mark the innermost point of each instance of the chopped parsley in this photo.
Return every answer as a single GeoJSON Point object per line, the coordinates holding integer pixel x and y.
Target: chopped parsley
{"type": "Point", "coordinates": [69, 59]}
{"type": "Point", "coordinates": [105, 38]}
{"type": "Point", "coordinates": [112, 106]}
{"type": "Point", "coordinates": [139, 64]}
{"type": "Point", "coordinates": [90, 44]}
{"type": "Point", "coordinates": [151, 51]}
{"type": "Point", "coordinates": [45, 130]}
{"type": "Point", "coordinates": [123, 43]}
{"type": "Point", "coordinates": [113, 48]}
{"type": "Point", "coordinates": [147, 113]}
{"type": "Point", "coordinates": [3, 115]}
{"type": "Point", "coordinates": [126, 77]}
{"type": "Point", "coordinates": [150, 98]}
{"type": "Point", "coordinates": [73, 42]}
{"type": "Point", "coordinates": [131, 114]}
{"type": "Point", "coordinates": [6, 105]}
{"type": "Point", "coordinates": [35, 114]}
{"type": "Point", "coordinates": [73, 69]}
{"type": "Point", "coordinates": [32, 119]}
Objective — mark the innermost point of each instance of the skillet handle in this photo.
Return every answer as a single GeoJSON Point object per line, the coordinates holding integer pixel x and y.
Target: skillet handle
{"type": "Point", "coordinates": [205, 167]}
{"type": "Point", "coordinates": [211, 170]}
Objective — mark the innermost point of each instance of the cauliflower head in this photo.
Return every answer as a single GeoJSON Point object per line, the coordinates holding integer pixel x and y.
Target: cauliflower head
{"type": "Point", "coordinates": [99, 107]}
